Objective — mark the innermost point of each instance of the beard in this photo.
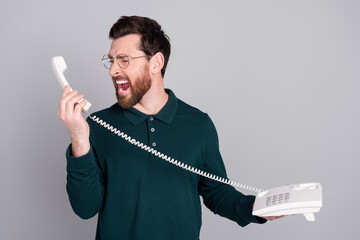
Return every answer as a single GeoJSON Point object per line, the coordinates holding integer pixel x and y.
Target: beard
{"type": "Point", "coordinates": [138, 89]}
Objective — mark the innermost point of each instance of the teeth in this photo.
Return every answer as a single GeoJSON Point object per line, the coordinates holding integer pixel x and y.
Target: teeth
{"type": "Point", "coordinates": [121, 81]}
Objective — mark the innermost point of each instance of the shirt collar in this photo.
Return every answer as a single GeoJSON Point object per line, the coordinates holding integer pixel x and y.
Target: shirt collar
{"type": "Point", "coordinates": [166, 114]}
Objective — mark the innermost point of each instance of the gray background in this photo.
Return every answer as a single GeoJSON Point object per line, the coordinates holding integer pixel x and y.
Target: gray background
{"type": "Point", "coordinates": [280, 80]}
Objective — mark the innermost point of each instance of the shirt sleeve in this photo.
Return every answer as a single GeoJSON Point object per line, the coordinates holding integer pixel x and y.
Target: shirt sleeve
{"type": "Point", "coordinates": [221, 198]}
{"type": "Point", "coordinates": [85, 184]}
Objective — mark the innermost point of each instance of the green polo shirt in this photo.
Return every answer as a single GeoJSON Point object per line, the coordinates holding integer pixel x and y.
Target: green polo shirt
{"type": "Point", "coordinates": [140, 196]}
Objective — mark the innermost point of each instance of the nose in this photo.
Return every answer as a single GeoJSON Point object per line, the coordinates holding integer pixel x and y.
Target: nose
{"type": "Point", "coordinates": [114, 70]}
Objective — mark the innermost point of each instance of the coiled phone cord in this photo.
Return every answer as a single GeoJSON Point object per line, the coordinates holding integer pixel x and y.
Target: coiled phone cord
{"type": "Point", "coordinates": [170, 159]}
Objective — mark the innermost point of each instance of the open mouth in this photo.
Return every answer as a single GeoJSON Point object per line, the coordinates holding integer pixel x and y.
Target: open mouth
{"type": "Point", "coordinates": [123, 86]}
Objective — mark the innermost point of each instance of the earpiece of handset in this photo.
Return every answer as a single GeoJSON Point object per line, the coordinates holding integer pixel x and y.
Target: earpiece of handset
{"type": "Point", "coordinates": [59, 66]}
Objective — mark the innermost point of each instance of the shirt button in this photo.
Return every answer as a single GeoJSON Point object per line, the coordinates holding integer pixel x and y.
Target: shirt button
{"type": "Point", "coordinates": [152, 129]}
{"type": "Point", "coordinates": [151, 118]}
{"type": "Point", "coordinates": [154, 144]}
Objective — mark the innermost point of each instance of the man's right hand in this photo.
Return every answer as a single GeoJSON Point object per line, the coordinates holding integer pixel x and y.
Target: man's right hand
{"type": "Point", "coordinates": [70, 114]}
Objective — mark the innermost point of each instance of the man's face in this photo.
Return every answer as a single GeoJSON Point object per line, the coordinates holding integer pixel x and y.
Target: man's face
{"type": "Point", "coordinates": [133, 82]}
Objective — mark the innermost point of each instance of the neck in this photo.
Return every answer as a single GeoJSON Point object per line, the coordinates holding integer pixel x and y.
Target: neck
{"type": "Point", "coordinates": [153, 101]}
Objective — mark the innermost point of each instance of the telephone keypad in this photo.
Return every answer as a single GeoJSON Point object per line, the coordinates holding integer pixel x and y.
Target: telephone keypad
{"type": "Point", "coordinates": [277, 199]}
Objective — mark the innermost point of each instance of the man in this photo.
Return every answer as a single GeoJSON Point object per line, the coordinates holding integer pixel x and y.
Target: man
{"type": "Point", "coordinates": [136, 194]}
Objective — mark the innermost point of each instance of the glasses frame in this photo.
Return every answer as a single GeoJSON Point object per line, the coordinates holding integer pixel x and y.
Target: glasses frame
{"type": "Point", "coordinates": [120, 56]}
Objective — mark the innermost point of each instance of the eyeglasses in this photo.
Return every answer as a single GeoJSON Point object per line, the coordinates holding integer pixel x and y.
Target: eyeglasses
{"type": "Point", "coordinates": [122, 60]}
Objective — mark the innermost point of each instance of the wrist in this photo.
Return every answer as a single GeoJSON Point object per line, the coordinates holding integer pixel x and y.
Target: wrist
{"type": "Point", "coordinates": [80, 148]}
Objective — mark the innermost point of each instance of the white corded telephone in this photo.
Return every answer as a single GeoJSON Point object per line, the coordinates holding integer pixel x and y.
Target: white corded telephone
{"type": "Point", "coordinates": [303, 198]}
{"type": "Point", "coordinates": [287, 200]}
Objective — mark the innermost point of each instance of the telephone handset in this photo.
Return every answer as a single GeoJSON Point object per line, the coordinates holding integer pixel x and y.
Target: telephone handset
{"type": "Point", "coordinates": [59, 66]}
{"type": "Point", "coordinates": [292, 199]}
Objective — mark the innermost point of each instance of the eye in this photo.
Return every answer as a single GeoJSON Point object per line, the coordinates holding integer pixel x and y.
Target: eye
{"type": "Point", "coordinates": [123, 59]}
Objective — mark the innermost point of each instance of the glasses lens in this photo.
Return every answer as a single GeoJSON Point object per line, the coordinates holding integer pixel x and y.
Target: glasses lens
{"type": "Point", "coordinates": [123, 61]}
{"type": "Point", "coordinates": [106, 61]}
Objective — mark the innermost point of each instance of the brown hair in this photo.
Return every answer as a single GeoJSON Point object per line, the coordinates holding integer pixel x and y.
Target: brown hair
{"type": "Point", "coordinates": [153, 38]}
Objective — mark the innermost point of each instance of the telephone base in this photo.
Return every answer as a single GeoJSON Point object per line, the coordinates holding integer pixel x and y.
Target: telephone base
{"type": "Point", "coordinates": [289, 200]}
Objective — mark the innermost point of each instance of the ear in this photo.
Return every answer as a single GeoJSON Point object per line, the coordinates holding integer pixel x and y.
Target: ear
{"type": "Point", "coordinates": [157, 63]}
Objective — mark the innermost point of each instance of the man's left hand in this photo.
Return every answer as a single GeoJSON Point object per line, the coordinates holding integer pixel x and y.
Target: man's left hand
{"type": "Point", "coordinates": [270, 218]}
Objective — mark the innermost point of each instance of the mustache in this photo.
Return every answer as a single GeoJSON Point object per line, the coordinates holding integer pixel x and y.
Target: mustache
{"type": "Point", "coordinates": [121, 78]}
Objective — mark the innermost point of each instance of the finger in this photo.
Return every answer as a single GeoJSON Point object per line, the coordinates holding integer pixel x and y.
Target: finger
{"type": "Point", "coordinates": [61, 104]}
{"type": "Point", "coordinates": [271, 218]}
{"type": "Point", "coordinates": [80, 106]}
{"type": "Point", "coordinates": [275, 217]}
{"type": "Point", "coordinates": [66, 90]}
{"type": "Point", "coordinates": [70, 105]}
{"type": "Point", "coordinates": [64, 101]}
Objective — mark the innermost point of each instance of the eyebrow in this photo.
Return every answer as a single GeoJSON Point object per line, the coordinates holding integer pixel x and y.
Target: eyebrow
{"type": "Point", "coordinates": [111, 57]}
